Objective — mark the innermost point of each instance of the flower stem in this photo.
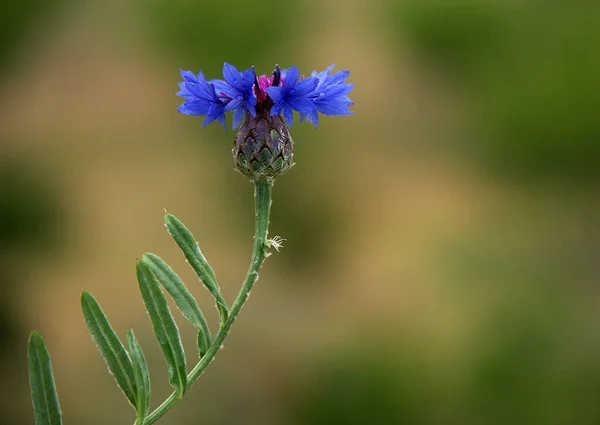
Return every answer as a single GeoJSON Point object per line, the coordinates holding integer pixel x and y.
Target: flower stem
{"type": "Point", "coordinates": [262, 199]}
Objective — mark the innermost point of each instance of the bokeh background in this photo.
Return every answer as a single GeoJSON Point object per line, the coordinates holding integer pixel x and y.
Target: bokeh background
{"type": "Point", "coordinates": [442, 257]}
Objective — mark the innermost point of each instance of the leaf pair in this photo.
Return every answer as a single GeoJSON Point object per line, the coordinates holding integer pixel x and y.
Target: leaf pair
{"type": "Point", "coordinates": [184, 300]}
{"type": "Point", "coordinates": [129, 369]}
{"type": "Point", "coordinates": [164, 327]}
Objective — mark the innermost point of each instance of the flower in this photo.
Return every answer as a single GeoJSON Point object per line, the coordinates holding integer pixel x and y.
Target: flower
{"type": "Point", "coordinates": [256, 97]}
{"type": "Point", "coordinates": [200, 98]}
{"type": "Point", "coordinates": [330, 95]}
{"type": "Point", "coordinates": [238, 91]}
{"type": "Point", "coordinates": [261, 90]}
{"type": "Point", "coordinates": [292, 95]}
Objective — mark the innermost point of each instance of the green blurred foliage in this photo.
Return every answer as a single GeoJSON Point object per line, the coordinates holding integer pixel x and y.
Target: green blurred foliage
{"type": "Point", "coordinates": [530, 357]}
{"type": "Point", "coordinates": [204, 35]}
{"type": "Point", "coordinates": [16, 20]}
{"type": "Point", "coordinates": [531, 68]}
{"type": "Point", "coordinates": [311, 221]}
{"type": "Point", "coordinates": [518, 372]}
{"type": "Point", "coordinates": [534, 365]}
{"type": "Point", "coordinates": [456, 32]}
{"type": "Point", "coordinates": [380, 386]}
{"type": "Point", "coordinates": [29, 210]}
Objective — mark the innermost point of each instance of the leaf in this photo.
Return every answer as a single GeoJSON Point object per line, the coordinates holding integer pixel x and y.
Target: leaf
{"type": "Point", "coordinates": [142, 378]}
{"type": "Point", "coordinates": [109, 345]}
{"type": "Point", "coordinates": [187, 243]}
{"type": "Point", "coordinates": [164, 327]}
{"type": "Point", "coordinates": [203, 343]}
{"type": "Point", "coordinates": [41, 380]}
{"type": "Point", "coordinates": [183, 298]}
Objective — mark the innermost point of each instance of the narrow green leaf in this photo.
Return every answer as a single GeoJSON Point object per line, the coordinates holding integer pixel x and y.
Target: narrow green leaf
{"type": "Point", "coordinates": [187, 243]}
{"type": "Point", "coordinates": [41, 380]}
{"type": "Point", "coordinates": [183, 298]}
{"type": "Point", "coordinates": [142, 378]}
{"type": "Point", "coordinates": [203, 343]}
{"type": "Point", "coordinates": [164, 327]}
{"type": "Point", "coordinates": [109, 345]}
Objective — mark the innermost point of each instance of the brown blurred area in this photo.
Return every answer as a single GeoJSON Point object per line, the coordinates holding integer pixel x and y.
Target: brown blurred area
{"type": "Point", "coordinates": [442, 255]}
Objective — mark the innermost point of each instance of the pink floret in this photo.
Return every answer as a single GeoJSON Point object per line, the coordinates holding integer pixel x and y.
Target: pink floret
{"type": "Point", "coordinates": [263, 83]}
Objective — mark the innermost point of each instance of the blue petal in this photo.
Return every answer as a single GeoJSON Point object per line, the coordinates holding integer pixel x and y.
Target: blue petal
{"type": "Point", "coordinates": [303, 106]}
{"type": "Point", "coordinates": [252, 110]}
{"type": "Point", "coordinates": [248, 78]}
{"type": "Point", "coordinates": [183, 110]}
{"type": "Point", "coordinates": [339, 77]}
{"type": "Point", "coordinates": [207, 90]}
{"type": "Point", "coordinates": [232, 75]}
{"type": "Point", "coordinates": [313, 118]}
{"type": "Point", "coordinates": [275, 93]}
{"type": "Point", "coordinates": [188, 76]}
{"type": "Point", "coordinates": [183, 91]}
{"type": "Point", "coordinates": [194, 107]}
{"type": "Point", "coordinates": [215, 112]}
{"type": "Point", "coordinates": [221, 119]}
{"type": "Point", "coordinates": [234, 104]}
{"type": "Point", "coordinates": [333, 107]}
{"type": "Point", "coordinates": [284, 72]}
{"type": "Point", "coordinates": [291, 78]}
{"type": "Point", "coordinates": [220, 86]}
{"type": "Point", "coordinates": [276, 109]}
{"type": "Point", "coordinates": [305, 86]}
{"type": "Point", "coordinates": [250, 98]}
{"type": "Point", "coordinates": [196, 90]}
{"type": "Point", "coordinates": [339, 90]}
{"type": "Point", "coordinates": [288, 114]}
{"type": "Point", "coordinates": [326, 80]}
{"type": "Point", "coordinates": [207, 121]}
{"type": "Point", "coordinates": [323, 75]}
{"type": "Point", "coordinates": [238, 116]}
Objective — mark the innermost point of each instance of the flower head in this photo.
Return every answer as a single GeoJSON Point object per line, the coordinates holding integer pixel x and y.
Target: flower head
{"type": "Point", "coordinates": [263, 147]}
{"type": "Point", "coordinates": [281, 93]}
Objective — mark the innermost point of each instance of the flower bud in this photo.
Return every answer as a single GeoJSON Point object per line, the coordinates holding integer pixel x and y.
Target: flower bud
{"type": "Point", "coordinates": [263, 148]}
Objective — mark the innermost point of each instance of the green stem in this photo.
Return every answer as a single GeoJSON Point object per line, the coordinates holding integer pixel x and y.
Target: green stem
{"type": "Point", "coordinates": [262, 199]}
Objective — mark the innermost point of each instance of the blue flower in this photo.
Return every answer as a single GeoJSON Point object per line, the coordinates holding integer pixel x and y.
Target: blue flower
{"type": "Point", "coordinates": [252, 96]}
{"type": "Point", "coordinates": [238, 92]}
{"type": "Point", "coordinates": [200, 98]}
{"type": "Point", "coordinates": [292, 95]}
{"type": "Point", "coordinates": [330, 95]}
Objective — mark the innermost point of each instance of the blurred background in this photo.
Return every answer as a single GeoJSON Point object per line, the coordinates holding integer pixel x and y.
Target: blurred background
{"type": "Point", "coordinates": [442, 257]}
